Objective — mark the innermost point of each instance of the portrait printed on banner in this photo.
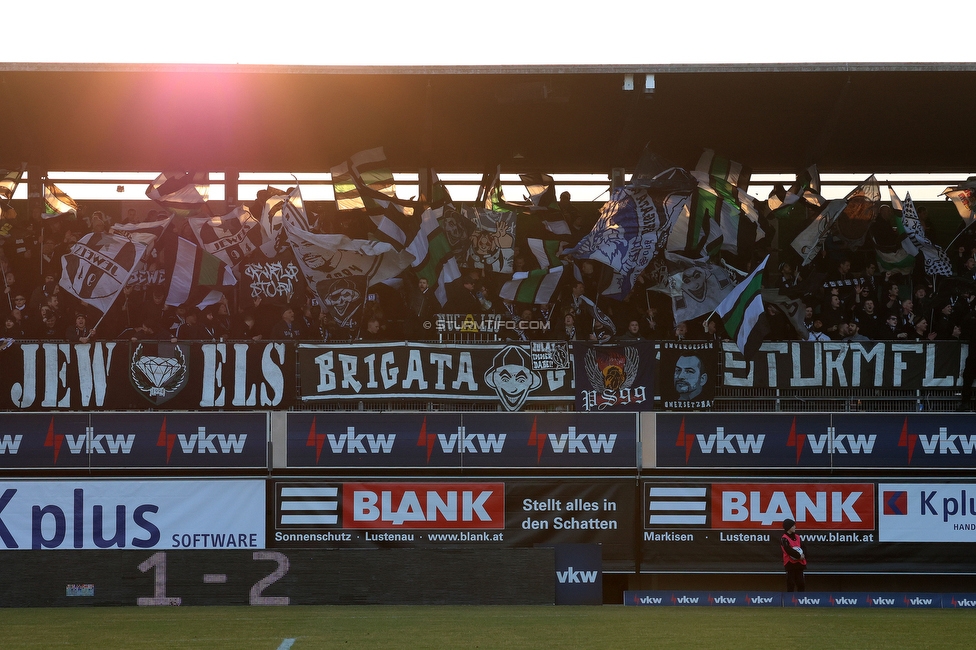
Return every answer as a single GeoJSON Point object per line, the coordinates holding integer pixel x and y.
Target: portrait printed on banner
{"type": "Point", "coordinates": [688, 375]}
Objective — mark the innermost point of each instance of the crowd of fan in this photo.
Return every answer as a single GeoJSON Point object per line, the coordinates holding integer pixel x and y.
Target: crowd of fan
{"type": "Point", "coordinates": [847, 298]}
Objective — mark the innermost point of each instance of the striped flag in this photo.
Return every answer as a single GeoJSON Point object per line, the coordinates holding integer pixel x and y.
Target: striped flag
{"type": "Point", "coordinates": [693, 234]}
{"type": "Point", "coordinates": [895, 261]}
{"type": "Point", "coordinates": [546, 251]}
{"type": "Point", "coordinates": [9, 180]}
{"type": "Point", "coordinates": [395, 220]}
{"type": "Point", "coordinates": [722, 185]}
{"type": "Point", "coordinates": [532, 287]}
{"type": "Point", "coordinates": [742, 312]}
{"type": "Point", "coordinates": [271, 215]}
{"type": "Point", "coordinates": [806, 189]}
{"type": "Point", "coordinates": [542, 191]}
{"type": "Point", "coordinates": [368, 168]}
{"type": "Point", "coordinates": [57, 203]}
{"type": "Point", "coordinates": [721, 169]}
{"type": "Point", "coordinates": [195, 276]}
{"type": "Point", "coordinates": [98, 266]}
{"type": "Point", "coordinates": [180, 190]}
{"type": "Point", "coordinates": [434, 259]}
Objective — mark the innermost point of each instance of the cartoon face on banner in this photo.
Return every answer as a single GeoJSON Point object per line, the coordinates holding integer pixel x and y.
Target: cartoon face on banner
{"type": "Point", "coordinates": [688, 372]}
{"type": "Point", "coordinates": [492, 242]}
{"type": "Point", "coordinates": [512, 377]}
{"type": "Point", "coordinates": [343, 300]}
{"type": "Point", "coordinates": [457, 228]}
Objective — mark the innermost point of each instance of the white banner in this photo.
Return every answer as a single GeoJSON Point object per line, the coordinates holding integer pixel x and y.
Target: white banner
{"type": "Point", "coordinates": [132, 514]}
{"type": "Point", "coordinates": [927, 512]}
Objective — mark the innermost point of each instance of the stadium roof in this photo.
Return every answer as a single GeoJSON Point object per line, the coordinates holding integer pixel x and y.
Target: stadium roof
{"type": "Point", "coordinates": [846, 118]}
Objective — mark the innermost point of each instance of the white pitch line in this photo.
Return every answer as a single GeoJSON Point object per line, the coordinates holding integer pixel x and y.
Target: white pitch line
{"type": "Point", "coordinates": [286, 644]}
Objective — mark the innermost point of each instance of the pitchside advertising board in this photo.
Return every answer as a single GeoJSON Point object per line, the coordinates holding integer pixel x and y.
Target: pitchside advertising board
{"type": "Point", "coordinates": [851, 525]}
{"type": "Point", "coordinates": [166, 440]}
{"type": "Point", "coordinates": [118, 375]}
{"type": "Point", "coordinates": [431, 513]}
{"type": "Point", "coordinates": [917, 441]}
{"type": "Point", "coordinates": [459, 440]}
{"type": "Point", "coordinates": [806, 599]}
{"type": "Point", "coordinates": [130, 514]}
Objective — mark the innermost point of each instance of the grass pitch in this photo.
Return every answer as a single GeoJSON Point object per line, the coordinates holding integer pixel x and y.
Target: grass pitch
{"type": "Point", "coordinates": [482, 627]}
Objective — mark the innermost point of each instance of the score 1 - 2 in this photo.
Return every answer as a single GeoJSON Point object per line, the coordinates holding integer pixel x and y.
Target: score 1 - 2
{"type": "Point", "coordinates": [157, 562]}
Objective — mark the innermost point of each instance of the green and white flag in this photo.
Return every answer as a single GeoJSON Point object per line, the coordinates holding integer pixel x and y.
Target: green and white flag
{"type": "Point", "coordinates": [742, 312]}
{"type": "Point", "coordinates": [545, 251]}
{"type": "Point", "coordinates": [368, 168]}
{"type": "Point", "coordinates": [716, 167]}
{"type": "Point", "coordinates": [532, 287]}
{"type": "Point", "coordinates": [57, 203]}
{"type": "Point", "coordinates": [433, 257]}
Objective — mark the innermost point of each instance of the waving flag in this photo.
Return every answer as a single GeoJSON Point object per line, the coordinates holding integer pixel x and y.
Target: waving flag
{"type": "Point", "coordinates": [964, 198]}
{"type": "Point", "coordinates": [144, 233]}
{"type": "Point", "coordinates": [721, 169]}
{"type": "Point", "coordinates": [195, 276]}
{"type": "Point", "coordinates": [742, 312]}
{"type": "Point", "coordinates": [863, 203]}
{"type": "Point", "coordinates": [693, 233]}
{"type": "Point", "coordinates": [271, 215]}
{"type": "Point", "coordinates": [542, 191]}
{"type": "Point", "coordinates": [98, 266]}
{"type": "Point", "coordinates": [532, 287]}
{"type": "Point", "coordinates": [722, 195]}
{"type": "Point", "coordinates": [696, 287]}
{"type": "Point", "coordinates": [368, 168]}
{"type": "Point", "coordinates": [231, 237]}
{"type": "Point", "coordinates": [180, 190]}
{"type": "Point", "coordinates": [57, 203]}
{"type": "Point", "coordinates": [806, 189]}
{"type": "Point", "coordinates": [935, 260]}
{"type": "Point", "coordinates": [395, 220]}
{"type": "Point", "coordinates": [811, 240]}
{"type": "Point", "coordinates": [631, 230]}
{"type": "Point", "coordinates": [9, 180]}
{"type": "Point", "coordinates": [327, 257]}
{"type": "Point", "coordinates": [434, 259]}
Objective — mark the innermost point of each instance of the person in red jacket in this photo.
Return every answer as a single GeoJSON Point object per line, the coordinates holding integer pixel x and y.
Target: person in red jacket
{"type": "Point", "coordinates": [794, 557]}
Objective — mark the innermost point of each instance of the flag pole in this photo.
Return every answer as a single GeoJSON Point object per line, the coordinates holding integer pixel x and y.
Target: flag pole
{"type": "Point", "coordinates": [6, 287]}
{"type": "Point", "coordinates": [959, 234]}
